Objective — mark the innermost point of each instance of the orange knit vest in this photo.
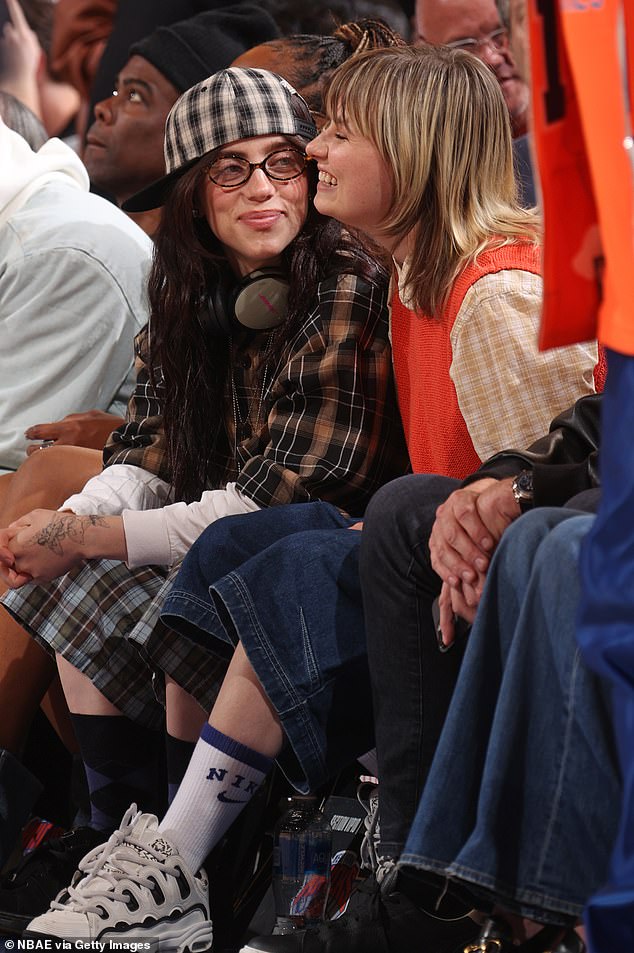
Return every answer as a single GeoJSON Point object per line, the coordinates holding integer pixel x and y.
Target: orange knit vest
{"type": "Point", "coordinates": [437, 437]}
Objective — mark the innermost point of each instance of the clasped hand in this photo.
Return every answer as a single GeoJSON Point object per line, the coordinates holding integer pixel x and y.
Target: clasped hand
{"type": "Point", "coordinates": [39, 546]}
{"type": "Point", "coordinates": [467, 529]}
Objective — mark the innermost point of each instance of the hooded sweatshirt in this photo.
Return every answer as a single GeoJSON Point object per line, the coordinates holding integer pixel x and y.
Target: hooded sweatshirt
{"type": "Point", "coordinates": [73, 276]}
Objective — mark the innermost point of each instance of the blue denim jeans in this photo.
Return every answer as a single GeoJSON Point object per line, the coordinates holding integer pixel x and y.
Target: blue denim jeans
{"type": "Point", "coordinates": [285, 583]}
{"type": "Point", "coordinates": [522, 797]}
{"type": "Point", "coordinates": [606, 637]}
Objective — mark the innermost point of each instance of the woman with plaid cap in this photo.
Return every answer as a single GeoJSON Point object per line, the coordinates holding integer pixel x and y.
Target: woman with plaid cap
{"type": "Point", "coordinates": [243, 401]}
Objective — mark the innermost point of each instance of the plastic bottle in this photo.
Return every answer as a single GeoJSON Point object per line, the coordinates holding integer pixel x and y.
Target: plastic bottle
{"type": "Point", "coordinates": [301, 865]}
{"type": "Point", "coordinates": [310, 902]}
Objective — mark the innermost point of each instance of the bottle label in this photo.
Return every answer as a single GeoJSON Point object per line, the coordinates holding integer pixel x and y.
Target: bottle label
{"type": "Point", "coordinates": [310, 902]}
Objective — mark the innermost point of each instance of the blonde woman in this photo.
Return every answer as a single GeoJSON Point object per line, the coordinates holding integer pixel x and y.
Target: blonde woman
{"type": "Point", "coordinates": [444, 205]}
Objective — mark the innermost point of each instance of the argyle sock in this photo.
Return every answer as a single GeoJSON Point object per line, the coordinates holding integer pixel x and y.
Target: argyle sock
{"type": "Point", "coordinates": [121, 760]}
{"type": "Point", "coordinates": [221, 779]}
{"type": "Point", "coordinates": [178, 754]}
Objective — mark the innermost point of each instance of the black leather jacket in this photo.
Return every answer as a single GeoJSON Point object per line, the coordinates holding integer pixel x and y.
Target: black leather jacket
{"type": "Point", "coordinates": [564, 462]}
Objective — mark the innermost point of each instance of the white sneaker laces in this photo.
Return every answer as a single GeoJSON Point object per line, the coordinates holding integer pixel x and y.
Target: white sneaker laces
{"type": "Point", "coordinates": [107, 868]}
{"type": "Point", "coordinates": [368, 797]}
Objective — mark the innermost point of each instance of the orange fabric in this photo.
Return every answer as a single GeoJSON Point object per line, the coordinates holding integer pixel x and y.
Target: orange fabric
{"type": "Point", "coordinates": [580, 124]}
{"type": "Point", "coordinates": [437, 437]}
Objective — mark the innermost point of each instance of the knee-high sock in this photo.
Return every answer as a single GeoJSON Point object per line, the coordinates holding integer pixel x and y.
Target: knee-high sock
{"type": "Point", "coordinates": [221, 779]}
{"type": "Point", "coordinates": [122, 761]}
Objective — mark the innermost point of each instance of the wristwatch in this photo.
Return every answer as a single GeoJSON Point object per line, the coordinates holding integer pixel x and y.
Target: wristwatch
{"type": "Point", "coordinates": [522, 487]}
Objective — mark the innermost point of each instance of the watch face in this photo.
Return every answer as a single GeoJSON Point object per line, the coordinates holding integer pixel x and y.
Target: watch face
{"type": "Point", "coordinates": [524, 483]}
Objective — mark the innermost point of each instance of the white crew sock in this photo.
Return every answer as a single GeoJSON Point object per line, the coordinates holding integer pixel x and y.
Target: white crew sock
{"type": "Point", "coordinates": [221, 778]}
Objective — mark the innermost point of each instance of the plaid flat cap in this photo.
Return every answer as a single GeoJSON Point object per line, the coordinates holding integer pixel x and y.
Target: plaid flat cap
{"type": "Point", "coordinates": [232, 104]}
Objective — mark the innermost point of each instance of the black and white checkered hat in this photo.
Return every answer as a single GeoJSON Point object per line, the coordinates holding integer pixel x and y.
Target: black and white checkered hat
{"type": "Point", "coordinates": [232, 104]}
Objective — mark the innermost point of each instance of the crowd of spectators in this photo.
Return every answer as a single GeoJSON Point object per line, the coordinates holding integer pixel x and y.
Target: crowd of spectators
{"type": "Point", "coordinates": [285, 478]}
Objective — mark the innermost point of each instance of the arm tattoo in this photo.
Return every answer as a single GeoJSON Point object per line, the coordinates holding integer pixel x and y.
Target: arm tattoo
{"type": "Point", "coordinates": [66, 526]}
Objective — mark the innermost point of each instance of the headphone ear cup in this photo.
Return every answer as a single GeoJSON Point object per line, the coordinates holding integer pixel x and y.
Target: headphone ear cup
{"type": "Point", "coordinates": [215, 311]}
{"type": "Point", "coordinates": [260, 301]}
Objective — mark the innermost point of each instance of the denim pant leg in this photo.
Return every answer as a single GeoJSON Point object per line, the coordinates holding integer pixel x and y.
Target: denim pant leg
{"type": "Point", "coordinates": [606, 636]}
{"type": "Point", "coordinates": [225, 546]}
{"type": "Point", "coordinates": [294, 602]}
{"type": "Point", "coordinates": [411, 680]}
{"type": "Point", "coordinates": [521, 795]}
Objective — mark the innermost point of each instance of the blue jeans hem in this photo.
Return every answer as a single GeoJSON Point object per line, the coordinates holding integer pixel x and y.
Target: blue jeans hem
{"type": "Point", "coordinates": [532, 904]}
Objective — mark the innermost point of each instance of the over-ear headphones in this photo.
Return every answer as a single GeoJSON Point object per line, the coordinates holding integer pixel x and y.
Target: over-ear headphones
{"type": "Point", "coordinates": [258, 301]}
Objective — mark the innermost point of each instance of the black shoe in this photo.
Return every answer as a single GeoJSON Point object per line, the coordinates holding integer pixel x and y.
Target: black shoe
{"type": "Point", "coordinates": [27, 891]}
{"type": "Point", "coordinates": [380, 919]}
{"type": "Point", "coordinates": [496, 935]}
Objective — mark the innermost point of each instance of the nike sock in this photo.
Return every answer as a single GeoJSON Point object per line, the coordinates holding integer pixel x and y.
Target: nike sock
{"type": "Point", "coordinates": [178, 755]}
{"type": "Point", "coordinates": [121, 760]}
{"type": "Point", "coordinates": [222, 777]}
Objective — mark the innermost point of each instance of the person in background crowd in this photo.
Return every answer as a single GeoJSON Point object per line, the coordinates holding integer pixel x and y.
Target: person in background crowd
{"type": "Point", "coordinates": [72, 297]}
{"type": "Point", "coordinates": [19, 117]}
{"type": "Point", "coordinates": [72, 286]}
{"type": "Point", "coordinates": [308, 61]}
{"type": "Point", "coordinates": [25, 69]}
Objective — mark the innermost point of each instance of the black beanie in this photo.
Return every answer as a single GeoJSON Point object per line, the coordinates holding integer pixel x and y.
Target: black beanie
{"type": "Point", "coordinates": [188, 52]}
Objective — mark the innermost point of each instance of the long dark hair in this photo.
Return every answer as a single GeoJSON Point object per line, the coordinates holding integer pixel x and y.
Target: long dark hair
{"type": "Point", "coordinates": [188, 370]}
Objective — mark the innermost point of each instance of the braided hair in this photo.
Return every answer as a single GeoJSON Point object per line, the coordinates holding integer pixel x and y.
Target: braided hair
{"type": "Point", "coordinates": [309, 60]}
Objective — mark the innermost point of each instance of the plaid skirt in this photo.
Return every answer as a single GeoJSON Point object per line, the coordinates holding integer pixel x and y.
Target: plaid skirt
{"type": "Point", "coordinates": [103, 618]}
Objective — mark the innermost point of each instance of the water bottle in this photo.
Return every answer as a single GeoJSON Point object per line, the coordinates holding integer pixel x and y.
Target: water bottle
{"type": "Point", "coordinates": [301, 865]}
{"type": "Point", "coordinates": [310, 902]}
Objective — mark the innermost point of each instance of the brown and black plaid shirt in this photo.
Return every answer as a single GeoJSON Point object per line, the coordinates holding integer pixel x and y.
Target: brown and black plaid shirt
{"type": "Point", "coordinates": [331, 428]}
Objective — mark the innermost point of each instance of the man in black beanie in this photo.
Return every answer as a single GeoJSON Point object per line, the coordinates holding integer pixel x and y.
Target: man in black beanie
{"type": "Point", "coordinates": [124, 146]}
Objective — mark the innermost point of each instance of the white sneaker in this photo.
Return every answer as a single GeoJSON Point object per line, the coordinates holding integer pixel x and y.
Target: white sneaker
{"type": "Point", "coordinates": [135, 887]}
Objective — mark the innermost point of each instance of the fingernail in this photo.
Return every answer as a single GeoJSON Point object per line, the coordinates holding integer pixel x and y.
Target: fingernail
{"type": "Point", "coordinates": [482, 564]}
{"type": "Point", "coordinates": [442, 647]}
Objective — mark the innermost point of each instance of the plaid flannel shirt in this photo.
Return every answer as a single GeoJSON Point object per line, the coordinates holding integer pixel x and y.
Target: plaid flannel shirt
{"type": "Point", "coordinates": [330, 429]}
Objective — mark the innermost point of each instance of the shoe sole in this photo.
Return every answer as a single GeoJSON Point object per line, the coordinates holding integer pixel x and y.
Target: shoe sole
{"type": "Point", "coordinates": [164, 939]}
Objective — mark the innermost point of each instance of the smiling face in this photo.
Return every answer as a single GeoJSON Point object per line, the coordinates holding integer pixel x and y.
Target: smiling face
{"type": "Point", "coordinates": [124, 146]}
{"type": "Point", "coordinates": [445, 21]}
{"type": "Point", "coordinates": [355, 184]}
{"type": "Point", "coordinates": [257, 221]}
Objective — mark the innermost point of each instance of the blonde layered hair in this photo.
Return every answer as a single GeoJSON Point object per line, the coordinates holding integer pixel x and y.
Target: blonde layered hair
{"type": "Point", "coordinates": [438, 119]}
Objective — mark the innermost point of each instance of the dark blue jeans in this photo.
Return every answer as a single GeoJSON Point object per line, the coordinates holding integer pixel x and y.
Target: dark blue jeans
{"type": "Point", "coordinates": [412, 681]}
{"type": "Point", "coordinates": [285, 583]}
